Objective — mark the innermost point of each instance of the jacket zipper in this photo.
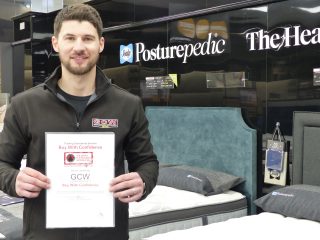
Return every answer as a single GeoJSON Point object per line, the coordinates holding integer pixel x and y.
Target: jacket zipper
{"type": "Point", "coordinates": [78, 119]}
{"type": "Point", "coordinates": [77, 234]}
{"type": "Point", "coordinates": [78, 124]}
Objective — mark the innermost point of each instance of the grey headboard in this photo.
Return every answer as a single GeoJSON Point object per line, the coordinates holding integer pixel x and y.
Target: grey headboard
{"type": "Point", "coordinates": [209, 137]}
{"type": "Point", "coordinates": [306, 148]}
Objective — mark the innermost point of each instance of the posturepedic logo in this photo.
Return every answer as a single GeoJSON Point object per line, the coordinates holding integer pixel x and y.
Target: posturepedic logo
{"type": "Point", "coordinates": [212, 46]}
{"type": "Point", "coordinates": [126, 53]}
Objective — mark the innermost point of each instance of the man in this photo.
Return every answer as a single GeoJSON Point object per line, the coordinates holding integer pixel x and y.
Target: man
{"type": "Point", "coordinates": [68, 101]}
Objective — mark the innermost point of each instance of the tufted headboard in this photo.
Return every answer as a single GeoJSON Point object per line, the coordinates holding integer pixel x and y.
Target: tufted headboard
{"type": "Point", "coordinates": [208, 137]}
{"type": "Point", "coordinates": [306, 148]}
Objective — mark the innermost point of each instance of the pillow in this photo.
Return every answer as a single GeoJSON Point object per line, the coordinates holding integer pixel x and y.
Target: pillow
{"type": "Point", "coordinates": [199, 180]}
{"type": "Point", "coordinates": [299, 201]}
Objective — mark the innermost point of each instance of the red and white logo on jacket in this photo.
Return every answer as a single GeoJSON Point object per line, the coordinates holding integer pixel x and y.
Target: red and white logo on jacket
{"type": "Point", "coordinates": [104, 123]}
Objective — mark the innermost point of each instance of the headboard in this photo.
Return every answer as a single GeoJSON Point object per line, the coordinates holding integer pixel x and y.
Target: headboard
{"type": "Point", "coordinates": [208, 137]}
{"type": "Point", "coordinates": [306, 148]}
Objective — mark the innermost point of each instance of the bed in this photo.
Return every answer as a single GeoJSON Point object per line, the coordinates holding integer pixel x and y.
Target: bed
{"type": "Point", "coordinates": [290, 212]}
{"type": "Point", "coordinates": [187, 138]}
{"type": "Point", "coordinates": [190, 139]}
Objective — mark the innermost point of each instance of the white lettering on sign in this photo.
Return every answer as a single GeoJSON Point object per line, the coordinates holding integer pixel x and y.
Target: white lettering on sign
{"type": "Point", "coordinates": [288, 37]}
{"type": "Point", "coordinates": [209, 47]}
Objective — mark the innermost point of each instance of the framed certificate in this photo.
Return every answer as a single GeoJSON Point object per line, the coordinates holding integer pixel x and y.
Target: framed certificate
{"type": "Point", "coordinates": [80, 167]}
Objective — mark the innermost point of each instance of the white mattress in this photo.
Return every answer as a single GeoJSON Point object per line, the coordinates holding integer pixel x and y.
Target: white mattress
{"type": "Point", "coordinates": [165, 199]}
{"type": "Point", "coordinates": [264, 226]}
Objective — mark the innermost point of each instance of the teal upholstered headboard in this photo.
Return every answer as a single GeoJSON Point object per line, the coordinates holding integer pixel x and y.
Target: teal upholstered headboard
{"type": "Point", "coordinates": [209, 137]}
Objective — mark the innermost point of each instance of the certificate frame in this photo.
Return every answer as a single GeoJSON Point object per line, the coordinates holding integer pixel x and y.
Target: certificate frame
{"type": "Point", "coordinates": [80, 166]}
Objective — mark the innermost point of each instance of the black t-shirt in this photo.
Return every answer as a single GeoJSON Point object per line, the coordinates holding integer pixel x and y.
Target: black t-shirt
{"type": "Point", "coordinates": [78, 103]}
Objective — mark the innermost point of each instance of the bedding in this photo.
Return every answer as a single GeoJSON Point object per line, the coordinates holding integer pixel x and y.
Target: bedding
{"type": "Point", "coordinates": [167, 209]}
{"type": "Point", "coordinates": [165, 199]}
{"type": "Point", "coordinates": [263, 226]}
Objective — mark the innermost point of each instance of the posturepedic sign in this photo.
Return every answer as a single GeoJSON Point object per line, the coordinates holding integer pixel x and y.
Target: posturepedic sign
{"type": "Point", "coordinates": [212, 46]}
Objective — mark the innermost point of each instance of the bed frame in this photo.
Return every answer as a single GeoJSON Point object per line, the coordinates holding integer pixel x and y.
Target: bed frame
{"type": "Point", "coordinates": [305, 164]}
{"type": "Point", "coordinates": [208, 137]}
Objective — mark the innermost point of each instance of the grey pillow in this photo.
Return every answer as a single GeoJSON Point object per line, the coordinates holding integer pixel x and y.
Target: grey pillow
{"type": "Point", "coordinates": [199, 180]}
{"type": "Point", "coordinates": [299, 201]}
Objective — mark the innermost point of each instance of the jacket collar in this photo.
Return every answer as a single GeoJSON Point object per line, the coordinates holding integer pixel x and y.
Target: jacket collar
{"type": "Point", "coordinates": [102, 81]}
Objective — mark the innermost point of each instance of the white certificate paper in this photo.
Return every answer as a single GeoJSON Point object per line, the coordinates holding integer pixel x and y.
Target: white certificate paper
{"type": "Point", "coordinates": [80, 167]}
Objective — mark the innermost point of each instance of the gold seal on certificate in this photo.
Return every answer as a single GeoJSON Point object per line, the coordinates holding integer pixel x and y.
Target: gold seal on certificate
{"type": "Point", "coordinates": [80, 167]}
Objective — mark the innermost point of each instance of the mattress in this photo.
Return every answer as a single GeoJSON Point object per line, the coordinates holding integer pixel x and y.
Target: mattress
{"type": "Point", "coordinates": [264, 226]}
{"type": "Point", "coordinates": [167, 209]}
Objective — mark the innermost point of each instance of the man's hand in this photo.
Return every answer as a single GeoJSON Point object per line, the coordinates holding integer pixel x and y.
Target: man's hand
{"type": "Point", "coordinates": [127, 187]}
{"type": "Point", "coordinates": [30, 182]}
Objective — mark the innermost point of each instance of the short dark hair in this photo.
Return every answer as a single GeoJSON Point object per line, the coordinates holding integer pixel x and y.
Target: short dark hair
{"type": "Point", "coordinates": [80, 12]}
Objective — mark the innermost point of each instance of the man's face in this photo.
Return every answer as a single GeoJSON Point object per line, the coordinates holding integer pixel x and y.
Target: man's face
{"type": "Point", "coordinates": [78, 45]}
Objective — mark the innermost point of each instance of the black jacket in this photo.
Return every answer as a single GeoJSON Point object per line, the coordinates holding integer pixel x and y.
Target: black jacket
{"type": "Point", "coordinates": [39, 110]}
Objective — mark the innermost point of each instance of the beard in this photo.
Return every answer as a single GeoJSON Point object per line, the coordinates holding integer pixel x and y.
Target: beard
{"type": "Point", "coordinates": [79, 70]}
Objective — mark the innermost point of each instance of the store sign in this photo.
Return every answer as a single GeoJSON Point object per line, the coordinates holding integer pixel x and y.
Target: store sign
{"type": "Point", "coordinates": [211, 46]}
{"type": "Point", "coordinates": [284, 37]}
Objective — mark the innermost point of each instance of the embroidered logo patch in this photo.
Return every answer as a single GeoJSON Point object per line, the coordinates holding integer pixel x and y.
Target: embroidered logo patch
{"type": "Point", "coordinates": [104, 123]}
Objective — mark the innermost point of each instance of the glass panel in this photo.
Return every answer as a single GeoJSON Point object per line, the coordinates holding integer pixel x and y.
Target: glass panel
{"type": "Point", "coordinates": [150, 9]}
{"type": "Point", "coordinates": [115, 13]}
{"type": "Point", "coordinates": [184, 6]}
{"type": "Point", "coordinates": [292, 63]}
